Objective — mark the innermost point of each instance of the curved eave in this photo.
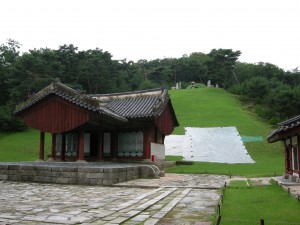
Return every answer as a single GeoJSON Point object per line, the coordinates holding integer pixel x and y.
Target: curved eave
{"type": "Point", "coordinates": [77, 102]}
{"type": "Point", "coordinates": [167, 103]}
{"type": "Point", "coordinates": [32, 102]}
{"type": "Point", "coordinates": [283, 133]}
{"type": "Point", "coordinates": [273, 138]}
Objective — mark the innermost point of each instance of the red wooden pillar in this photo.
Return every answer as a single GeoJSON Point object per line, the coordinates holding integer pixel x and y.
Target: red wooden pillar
{"type": "Point", "coordinates": [286, 157]}
{"type": "Point", "coordinates": [298, 154]}
{"type": "Point", "coordinates": [100, 144]}
{"type": "Point", "coordinates": [63, 146]}
{"type": "Point", "coordinates": [53, 146]}
{"type": "Point", "coordinates": [114, 145]}
{"type": "Point", "coordinates": [291, 156]}
{"type": "Point", "coordinates": [81, 146]}
{"type": "Point", "coordinates": [147, 151]}
{"type": "Point", "coordinates": [42, 145]}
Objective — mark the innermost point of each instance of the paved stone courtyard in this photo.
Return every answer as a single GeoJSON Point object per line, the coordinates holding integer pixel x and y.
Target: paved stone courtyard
{"type": "Point", "coordinates": [173, 199]}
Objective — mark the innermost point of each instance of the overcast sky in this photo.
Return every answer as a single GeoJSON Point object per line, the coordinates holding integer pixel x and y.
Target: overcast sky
{"type": "Point", "coordinates": [263, 30]}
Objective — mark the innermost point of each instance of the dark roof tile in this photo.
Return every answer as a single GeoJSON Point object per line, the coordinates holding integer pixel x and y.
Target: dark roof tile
{"type": "Point", "coordinates": [144, 104]}
{"type": "Point", "coordinates": [69, 94]}
{"type": "Point", "coordinates": [283, 127]}
{"type": "Point", "coordinates": [134, 107]}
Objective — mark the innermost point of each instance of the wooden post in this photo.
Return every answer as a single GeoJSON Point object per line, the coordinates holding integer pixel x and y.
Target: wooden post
{"type": "Point", "coordinates": [291, 158]}
{"type": "Point", "coordinates": [262, 222]}
{"type": "Point", "coordinates": [42, 145]}
{"type": "Point", "coordinates": [147, 151]}
{"type": "Point", "coordinates": [114, 144]}
{"type": "Point", "coordinates": [100, 145]}
{"type": "Point", "coordinates": [81, 146]}
{"type": "Point", "coordinates": [63, 146]}
{"type": "Point", "coordinates": [298, 153]}
{"type": "Point", "coordinates": [290, 153]}
{"type": "Point", "coordinates": [286, 157]}
{"type": "Point", "coordinates": [53, 146]}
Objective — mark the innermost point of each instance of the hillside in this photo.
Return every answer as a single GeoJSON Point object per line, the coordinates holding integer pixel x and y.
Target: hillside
{"type": "Point", "coordinates": [216, 108]}
{"type": "Point", "coordinates": [22, 146]}
{"type": "Point", "coordinates": [194, 108]}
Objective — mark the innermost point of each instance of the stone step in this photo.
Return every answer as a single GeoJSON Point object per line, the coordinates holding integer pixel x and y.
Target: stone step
{"type": "Point", "coordinates": [152, 215]}
{"type": "Point", "coordinates": [135, 207]}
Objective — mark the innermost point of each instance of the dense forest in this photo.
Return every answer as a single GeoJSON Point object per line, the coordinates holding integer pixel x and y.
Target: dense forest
{"type": "Point", "coordinates": [272, 92]}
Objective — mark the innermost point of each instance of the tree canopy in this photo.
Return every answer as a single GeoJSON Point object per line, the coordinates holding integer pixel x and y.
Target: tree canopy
{"type": "Point", "coordinates": [95, 71]}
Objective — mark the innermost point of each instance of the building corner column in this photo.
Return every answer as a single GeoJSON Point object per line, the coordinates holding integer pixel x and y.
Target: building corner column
{"type": "Point", "coordinates": [298, 154]}
{"type": "Point", "coordinates": [42, 146]}
{"type": "Point", "coordinates": [114, 145]}
{"type": "Point", "coordinates": [100, 144]}
{"type": "Point", "coordinates": [63, 146]}
{"type": "Point", "coordinates": [81, 147]}
{"type": "Point", "coordinates": [290, 154]}
{"type": "Point", "coordinates": [53, 146]}
{"type": "Point", "coordinates": [147, 150]}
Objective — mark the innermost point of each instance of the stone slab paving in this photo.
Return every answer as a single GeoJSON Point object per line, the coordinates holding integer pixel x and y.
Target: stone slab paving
{"type": "Point", "coordinates": [176, 200]}
{"type": "Point", "coordinates": [204, 181]}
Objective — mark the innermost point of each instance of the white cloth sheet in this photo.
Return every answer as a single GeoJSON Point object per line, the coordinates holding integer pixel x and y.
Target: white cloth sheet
{"type": "Point", "coordinates": [218, 144]}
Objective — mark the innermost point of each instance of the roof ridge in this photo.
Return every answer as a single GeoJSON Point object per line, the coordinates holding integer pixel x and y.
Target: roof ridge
{"type": "Point", "coordinates": [286, 122]}
{"type": "Point", "coordinates": [70, 95]}
{"type": "Point", "coordinates": [127, 92]}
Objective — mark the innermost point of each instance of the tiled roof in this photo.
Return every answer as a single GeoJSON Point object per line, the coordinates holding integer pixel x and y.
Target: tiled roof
{"type": "Point", "coordinates": [138, 104]}
{"type": "Point", "coordinates": [71, 95]}
{"type": "Point", "coordinates": [144, 104]}
{"type": "Point", "coordinates": [283, 127]}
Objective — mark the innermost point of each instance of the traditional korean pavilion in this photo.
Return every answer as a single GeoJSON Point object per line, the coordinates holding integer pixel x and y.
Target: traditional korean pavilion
{"type": "Point", "coordinates": [119, 126]}
{"type": "Point", "coordinates": [289, 132]}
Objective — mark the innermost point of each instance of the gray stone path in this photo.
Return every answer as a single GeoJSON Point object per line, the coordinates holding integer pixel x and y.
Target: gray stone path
{"type": "Point", "coordinates": [175, 200]}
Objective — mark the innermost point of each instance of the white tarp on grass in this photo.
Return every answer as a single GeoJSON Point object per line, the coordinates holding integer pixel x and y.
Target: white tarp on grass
{"type": "Point", "coordinates": [219, 144]}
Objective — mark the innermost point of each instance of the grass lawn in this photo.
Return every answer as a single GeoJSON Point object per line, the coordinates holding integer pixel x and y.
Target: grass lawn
{"type": "Point", "coordinates": [209, 107]}
{"type": "Point", "coordinates": [22, 146]}
{"type": "Point", "coordinates": [248, 204]}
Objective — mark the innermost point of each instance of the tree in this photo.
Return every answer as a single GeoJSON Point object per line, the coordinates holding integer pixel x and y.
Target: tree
{"type": "Point", "coordinates": [69, 58]}
{"type": "Point", "coordinates": [33, 71]}
{"type": "Point", "coordinates": [9, 54]}
{"type": "Point", "coordinates": [129, 75]}
{"type": "Point", "coordinates": [221, 66]}
{"type": "Point", "coordinates": [284, 101]}
{"type": "Point", "coordinates": [256, 87]}
{"type": "Point", "coordinates": [97, 72]}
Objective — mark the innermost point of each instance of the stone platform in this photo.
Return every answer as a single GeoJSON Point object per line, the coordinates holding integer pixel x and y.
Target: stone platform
{"type": "Point", "coordinates": [97, 173]}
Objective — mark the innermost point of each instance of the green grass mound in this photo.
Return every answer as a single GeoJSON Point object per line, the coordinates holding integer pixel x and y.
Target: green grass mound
{"type": "Point", "coordinates": [22, 146]}
{"type": "Point", "coordinates": [197, 85]}
{"type": "Point", "coordinates": [212, 107]}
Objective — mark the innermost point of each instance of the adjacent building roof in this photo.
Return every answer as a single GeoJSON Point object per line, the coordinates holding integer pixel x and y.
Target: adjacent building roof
{"type": "Point", "coordinates": [137, 104]}
{"type": "Point", "coordinates": [121, 106]}
{"type": "Point", "coordinates": [285, 129]}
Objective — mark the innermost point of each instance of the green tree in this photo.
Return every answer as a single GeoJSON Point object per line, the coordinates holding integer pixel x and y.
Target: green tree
{"type": "Point", "coordinates": [284, 101]}
{"type": "Point", "coordinates": [97, 72]}
{"type": "Point", "coordinates": [69, 58]}
{"type": "Point", "coordinates": [33, 71]}
{"type": "Point", "coordinates": [256, 87]}
{"type": "Point", "coordinates": [9, 54]}
{"type": "Point", "coordinates": [147, 84]}
{"type": "Point", "coordinates": [221, 66]}
{"type": "Point", "coordinates": [194, 68]}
